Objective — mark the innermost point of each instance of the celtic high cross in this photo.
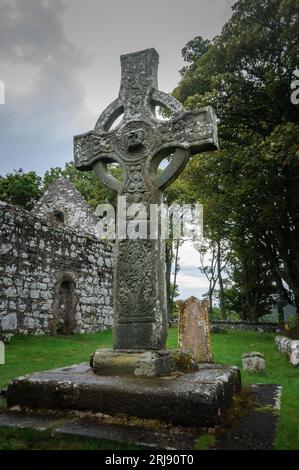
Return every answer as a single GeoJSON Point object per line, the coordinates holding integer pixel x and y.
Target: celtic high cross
{"type": "Point", "coordinates": [138, 144]}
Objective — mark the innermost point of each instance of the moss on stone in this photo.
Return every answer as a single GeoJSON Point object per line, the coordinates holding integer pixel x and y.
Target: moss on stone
{"type": "Point", "coordinates": [184, 361]}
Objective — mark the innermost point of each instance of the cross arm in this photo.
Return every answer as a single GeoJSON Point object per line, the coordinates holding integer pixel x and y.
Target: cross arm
{"type": "Point", "coordinates": [190, 133]}
{"type": "Point", "coordinates": [90, 148]}
{"type": "Point", "coordinates": [195, 131]}
{"type": "Point", "coordinates": [93, 151]}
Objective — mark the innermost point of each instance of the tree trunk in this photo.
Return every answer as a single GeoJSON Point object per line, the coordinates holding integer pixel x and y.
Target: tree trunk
{"type": "Point", "coordinates": [210, 294]}
{"type": "Point", "coordinates": [284, 298]}
{"type": "Point", "coordinates": [220, 280]}
{"type": "Point", "coordinates": [168, 259]}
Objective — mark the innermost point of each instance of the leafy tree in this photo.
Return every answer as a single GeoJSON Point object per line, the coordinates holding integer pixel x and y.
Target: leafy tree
{"type": "Point", "coordinates": [250, 187]}
{"type": "Point", "coordinates": [20, 189]}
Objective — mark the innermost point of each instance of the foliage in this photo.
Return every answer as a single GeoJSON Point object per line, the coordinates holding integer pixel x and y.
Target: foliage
{"type": "Point", "coordinates": [216, 314]}
{"type": "Point", "coordinates": [20, 189]}
{"type": "Point", "coordinates": [291, 323]}
{"type": "Point", "coordinates": [250, 188]}
{"type": "Point", "coordinates": [269, 318]}
{"type": "Point", "coordinates": [205, 442]}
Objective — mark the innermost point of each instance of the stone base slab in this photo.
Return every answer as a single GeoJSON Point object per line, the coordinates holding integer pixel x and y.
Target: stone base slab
{"type": "Point", "coordinates": [254, 429]}
{"type": "Point", "coordinates": [139, 364]}
{"type": "Point", "coordinates": [188, 399]}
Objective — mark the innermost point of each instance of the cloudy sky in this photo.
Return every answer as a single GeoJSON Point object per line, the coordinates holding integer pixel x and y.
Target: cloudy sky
{"type": "Point", "coordinates": [59, 61]}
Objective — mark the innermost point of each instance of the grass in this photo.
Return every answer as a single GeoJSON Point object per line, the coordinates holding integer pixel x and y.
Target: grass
{"type": "Point", "coordinates": [204, 442]}
{"type": "Point", "coordinates": [28, 439]}
{"type": "Point", "coordinates": [35, 353]}
{"type": "Point", "coordinates": [228, 348]}
{"type": "Point", "coordinates": [31, 354]}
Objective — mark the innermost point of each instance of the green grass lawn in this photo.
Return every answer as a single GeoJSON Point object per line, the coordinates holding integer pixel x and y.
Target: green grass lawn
{"type": "Point", "coordinates": [31, 354]}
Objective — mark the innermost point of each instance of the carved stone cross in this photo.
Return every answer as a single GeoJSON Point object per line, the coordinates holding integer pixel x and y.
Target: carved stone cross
{"type": "Point", "coordinates": [138, 144]}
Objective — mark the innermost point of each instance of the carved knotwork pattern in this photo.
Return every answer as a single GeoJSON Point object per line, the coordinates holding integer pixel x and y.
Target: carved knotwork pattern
{"type": "Point", "coordinates": [135, 281]}
{"type": "Point", "coordinates": [136, 190]}
{"type": "Point", "coordinates": [82, 150]}
{"type": "Point", "coordinates": [143, 130]}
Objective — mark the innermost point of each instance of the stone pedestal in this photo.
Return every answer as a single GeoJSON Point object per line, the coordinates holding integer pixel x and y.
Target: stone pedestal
{"type": "Point", "coordinates": [132, 362]}
{"type": "Point", "coordinates": [188, 399]}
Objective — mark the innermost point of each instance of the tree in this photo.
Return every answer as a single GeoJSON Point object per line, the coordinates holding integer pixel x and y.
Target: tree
{"type": "Point", "coordinates": [20, 189]}
{"type": "Point", "coordinates": [193, 51]}
{"type": "Point", "coordinates": [252, 183]}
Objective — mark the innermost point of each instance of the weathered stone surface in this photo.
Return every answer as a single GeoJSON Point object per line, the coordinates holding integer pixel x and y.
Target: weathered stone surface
{"type": "Point", "coordinates": [2, 352]}
{"type": "Point", "coordinates": [288, 347]}
{"type": "Point", "coordinates": [53, 276]}
{"type": "Point", "coordinates": [62, 206]}
{"type": "Point", "coordinates": [91, 425]}
{"type": "Point", "coordinates": [138, 144]}
{"type": "Point", "coordinates": [184, 361]}
{"type": "Point", "coordinates": [256, 427]}
{"type": "Point", "coordinates": [194, 329]}
{"type": "Point", "coordinates": [140, 364]}
{"type": "Point", "coordinates": [190, 399]}
{"type": "Point", "coordinates": [21, 419]}
{"type": "Point", "coordinates": [159, 438]}
{"type": "Point", "coordinates": [253, 362]}
{"type": "Point", "coordinates": [154, 363]}
{"type": "Point", "coordinates": [294, 359]}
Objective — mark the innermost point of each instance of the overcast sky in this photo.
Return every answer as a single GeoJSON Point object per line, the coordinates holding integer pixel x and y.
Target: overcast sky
{"type": "Point", "coordinates": [59, 60]}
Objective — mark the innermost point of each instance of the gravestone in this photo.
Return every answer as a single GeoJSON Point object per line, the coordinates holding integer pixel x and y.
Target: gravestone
{"type": "Point", "coordinates": [253, 362]}
{"type": "Point", "coordinates": [194, 329]}
{"type": "Point", "coordinates": [138, 144]}
{"type": "Point", "coordinates": [289, 311]}
{"type": "Point", "coordinates": [2, 353]}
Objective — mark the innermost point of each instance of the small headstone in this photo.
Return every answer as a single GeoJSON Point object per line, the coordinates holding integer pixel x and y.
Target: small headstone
{"type": "Point", "coordinates": [253, 362]}
{"type": "Point", "coordinates": [2, 353]}
{"type": "Point", "coordinates": [194, 329]}
{"type": "Point", "coordinates": [289, 311]}
{"type": "Point", "coordinates": [294, 359]}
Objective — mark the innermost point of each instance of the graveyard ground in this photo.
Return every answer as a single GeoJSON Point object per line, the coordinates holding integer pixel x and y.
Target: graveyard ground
{"type": "Point", "coordinates": [30, 354]}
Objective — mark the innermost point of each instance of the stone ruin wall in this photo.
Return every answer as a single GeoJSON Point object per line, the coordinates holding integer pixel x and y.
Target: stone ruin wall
{"type": "Point", "coordinates": [38, 261]}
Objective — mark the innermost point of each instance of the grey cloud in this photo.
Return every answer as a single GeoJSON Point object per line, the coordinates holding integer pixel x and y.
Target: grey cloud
{"type": "Point", "coordinates": [67, 54]}
{"type": "Point", "coordinates": [37, 125]}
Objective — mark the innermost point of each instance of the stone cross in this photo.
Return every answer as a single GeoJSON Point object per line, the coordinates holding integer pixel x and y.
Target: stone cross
{"type": "Point", "coordinates": [138, 144]}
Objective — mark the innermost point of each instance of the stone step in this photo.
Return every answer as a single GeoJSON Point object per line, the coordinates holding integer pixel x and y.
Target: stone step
{"type": "Point", "coordinates": [189, 399]}
{"type": "Point", "coordinates": [254, 429]}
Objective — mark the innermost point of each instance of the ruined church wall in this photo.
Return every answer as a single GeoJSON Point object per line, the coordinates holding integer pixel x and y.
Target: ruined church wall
{"type": "Point", "coordinates": [35, 258]}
